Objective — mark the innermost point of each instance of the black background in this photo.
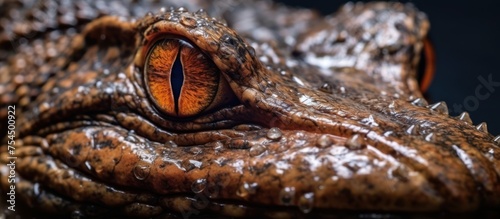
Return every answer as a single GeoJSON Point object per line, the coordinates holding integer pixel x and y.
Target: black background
{"type": "Point", "coordinates": [466, 37]}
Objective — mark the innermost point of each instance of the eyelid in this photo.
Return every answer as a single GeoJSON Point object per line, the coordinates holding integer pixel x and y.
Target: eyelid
{"type": "Point", "coordinates": [149, 40]}
{"type": "Point", "coordinates": [164, 29]}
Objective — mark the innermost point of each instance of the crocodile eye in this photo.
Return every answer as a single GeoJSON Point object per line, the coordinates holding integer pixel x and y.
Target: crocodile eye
{"type": "Point", "coordinates": [182, 81]}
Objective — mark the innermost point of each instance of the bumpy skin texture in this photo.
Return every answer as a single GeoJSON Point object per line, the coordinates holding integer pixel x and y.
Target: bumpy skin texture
{"type": "Point", "coordinates": [329, 116]}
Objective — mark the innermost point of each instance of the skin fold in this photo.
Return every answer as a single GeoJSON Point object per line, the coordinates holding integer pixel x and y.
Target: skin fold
{"type": "Point", "coordinates": [325, 114]}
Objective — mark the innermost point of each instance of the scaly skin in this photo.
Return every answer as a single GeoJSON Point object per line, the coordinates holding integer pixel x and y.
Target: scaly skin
{"type": "Point", "coordinates": [328, 114]}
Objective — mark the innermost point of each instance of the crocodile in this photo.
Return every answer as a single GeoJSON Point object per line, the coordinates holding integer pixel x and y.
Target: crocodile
{"type": "Point", "coordinates": [238, 108]}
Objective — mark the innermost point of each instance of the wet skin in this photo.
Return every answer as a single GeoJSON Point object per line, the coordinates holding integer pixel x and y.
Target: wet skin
{"type": "Point", "coordinates": [324, 114]}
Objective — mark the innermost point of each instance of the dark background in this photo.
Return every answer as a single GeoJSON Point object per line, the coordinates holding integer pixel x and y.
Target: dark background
{"type": "Point", "coordinates": [466, 37]}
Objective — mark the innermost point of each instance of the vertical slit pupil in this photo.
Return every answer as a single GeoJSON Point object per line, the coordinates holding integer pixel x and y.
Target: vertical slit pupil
{"type": "Point", "coordinates": [177, 79]}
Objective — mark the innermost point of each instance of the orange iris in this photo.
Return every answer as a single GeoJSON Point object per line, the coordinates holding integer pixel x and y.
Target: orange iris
{"type": "Point", "coordinates": [182, 81]}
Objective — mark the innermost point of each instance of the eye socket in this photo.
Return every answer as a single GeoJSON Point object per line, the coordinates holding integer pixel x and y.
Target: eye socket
{"type": "Point", "coordinates": [182, 81]}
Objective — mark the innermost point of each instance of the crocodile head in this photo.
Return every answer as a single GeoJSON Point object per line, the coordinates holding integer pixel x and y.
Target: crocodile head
{"type": "Point", "coordinates": [283, 112]}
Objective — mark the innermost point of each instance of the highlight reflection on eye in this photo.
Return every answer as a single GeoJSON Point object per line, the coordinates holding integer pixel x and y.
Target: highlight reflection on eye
{"type": "Point", "coordinates": [182, 81]}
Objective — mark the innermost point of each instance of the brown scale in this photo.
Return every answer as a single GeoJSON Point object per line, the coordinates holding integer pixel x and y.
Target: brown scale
{"type": "Point", "coordinates": [324, 115]}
